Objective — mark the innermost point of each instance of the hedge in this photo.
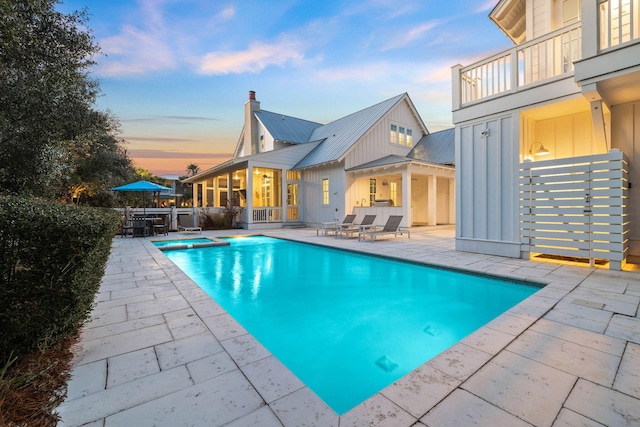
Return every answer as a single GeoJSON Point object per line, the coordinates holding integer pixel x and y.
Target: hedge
{"type": "Point", "coordinates": [52, 258]}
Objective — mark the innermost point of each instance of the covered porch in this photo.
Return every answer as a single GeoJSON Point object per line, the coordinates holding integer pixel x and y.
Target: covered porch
{"type": "Point", "coordinates": [266, 195]}
{"type": "Point", "coordinates": [423, 193]}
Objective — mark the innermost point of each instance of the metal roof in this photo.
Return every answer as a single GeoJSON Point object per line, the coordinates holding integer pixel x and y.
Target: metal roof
{"type": "Point", "coordinates": [286, 128]}
{"type": "Point", "coordinates": [437, 147]}
{"type": "Point", "coordinates": [382, 162]}
{"type": "Point", "coordinates": [393, 160]}
{"type": "Point", "coordinates": [338, 136]}
{"type": "Point", "coordinates": [287, 155]}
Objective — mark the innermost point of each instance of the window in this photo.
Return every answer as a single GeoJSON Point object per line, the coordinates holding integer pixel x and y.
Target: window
{"type": "Point", "coordinates": [402, 136]}
{"type": "Point", "coordinates": [261, 142]}
{"type": "Point", "coordinates": [409, 138]}
{"type": "Point", "coordinates": [570, 12]}
{"type": "Point", "coordinates": [266, 190]}
{"type": "Point", "coordinates": [325, 191]}
{"type": "Point", "coordinates": [293, 175]}
{"type": "Point", "coordinates": [394, 134]}
{"type": "Point", "coordinates": [292, 194]}
{"type": "Point", "coordinates": [372, 192]}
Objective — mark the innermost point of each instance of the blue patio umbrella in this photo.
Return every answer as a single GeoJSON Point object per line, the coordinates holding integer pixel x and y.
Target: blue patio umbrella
{"type": "Point", "coordinates": [143, 186]}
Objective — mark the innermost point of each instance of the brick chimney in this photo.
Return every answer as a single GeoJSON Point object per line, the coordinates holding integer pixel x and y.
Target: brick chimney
{"type": "Point", "coordinates": [251, 124]}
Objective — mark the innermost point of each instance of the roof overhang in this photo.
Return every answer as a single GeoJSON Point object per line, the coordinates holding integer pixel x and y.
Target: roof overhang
{"type": "Point", "coordinates": [510, 16]}
{"type": "Point", "coordinates": [221, 169]}
{"type": "Point", "coordinates": [394, 163]}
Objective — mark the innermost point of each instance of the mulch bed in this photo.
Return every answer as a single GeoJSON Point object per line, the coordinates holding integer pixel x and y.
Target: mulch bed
{"type": "Point", "coordinates": [34, 386]}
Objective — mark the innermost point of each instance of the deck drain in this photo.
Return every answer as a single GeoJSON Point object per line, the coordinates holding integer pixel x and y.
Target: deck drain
{"type": "Point", "coordinates": [590, 304]}
{"type": "Point", "coordinates": [386, 364]}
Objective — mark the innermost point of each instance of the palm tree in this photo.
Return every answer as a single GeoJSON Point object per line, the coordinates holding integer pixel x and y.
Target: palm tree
{"type": "Point", "coordinates": [193, 169]}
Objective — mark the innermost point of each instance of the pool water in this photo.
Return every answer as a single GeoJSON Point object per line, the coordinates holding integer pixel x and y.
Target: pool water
{"type": "Point", "coordinates": [346, 324]}
{"type": "Point", "coordinates": [162, 243]}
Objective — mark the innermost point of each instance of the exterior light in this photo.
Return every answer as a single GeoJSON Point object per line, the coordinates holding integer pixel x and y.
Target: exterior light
{"type": "Point", "coordinates": [540, 151]}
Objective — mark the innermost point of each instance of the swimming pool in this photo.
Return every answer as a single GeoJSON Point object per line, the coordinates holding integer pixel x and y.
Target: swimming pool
{"type": "Point", "coordinates": [200, 242]}
{"type": "Point", "coordinates": [346, 324]}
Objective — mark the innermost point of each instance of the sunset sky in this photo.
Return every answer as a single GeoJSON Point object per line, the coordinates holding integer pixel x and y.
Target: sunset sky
{"type": "Point", "coordinates": [177, 73]}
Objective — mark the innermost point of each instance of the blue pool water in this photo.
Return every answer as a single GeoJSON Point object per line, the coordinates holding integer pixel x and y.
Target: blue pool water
{"type": "Point", "coordinates": [162, 243]}
{"type": "Point", "coordinates": [346, 324]}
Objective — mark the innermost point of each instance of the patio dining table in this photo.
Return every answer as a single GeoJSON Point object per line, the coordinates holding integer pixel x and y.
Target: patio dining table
{"type": "Point", "coordinates": [149, 222]}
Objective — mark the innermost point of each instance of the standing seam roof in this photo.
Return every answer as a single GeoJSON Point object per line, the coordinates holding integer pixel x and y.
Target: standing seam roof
{"type": "Point", "coordinates": [437, 147]}
{"type": "Point", "coordinates": [286, 128]}
{"type": "Point", "coordinates": [341, 134]}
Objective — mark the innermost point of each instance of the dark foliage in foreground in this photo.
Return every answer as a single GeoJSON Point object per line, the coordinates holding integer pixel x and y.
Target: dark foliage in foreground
{"type": "Point", "coordinates": [52, 257]}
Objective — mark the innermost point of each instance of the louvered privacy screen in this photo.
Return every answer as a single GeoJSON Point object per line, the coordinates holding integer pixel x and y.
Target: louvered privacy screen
{"type": "Point", "coordinates": [576, 207]}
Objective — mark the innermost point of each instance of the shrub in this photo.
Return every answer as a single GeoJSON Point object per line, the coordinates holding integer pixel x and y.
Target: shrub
{"type": "Point", "coordinates": [52, 258]}
{"type": "Point", "coordinates": [213, 220]}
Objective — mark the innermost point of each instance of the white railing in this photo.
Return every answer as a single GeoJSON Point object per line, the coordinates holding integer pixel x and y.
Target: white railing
{"type": "Point", "coordinates": [576, 207]}
{"type": "Point", "coordinates": [536, 61]}
{"type": "Point", "coordinates": [268, 214]}
{"type": "Point", "coordinates": [619, 22]}
{"type": "Point", "coordinates": [491, 77]}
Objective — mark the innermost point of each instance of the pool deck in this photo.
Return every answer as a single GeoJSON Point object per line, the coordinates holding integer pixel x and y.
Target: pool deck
{"type": "Point", "coordinates": [159, 352]}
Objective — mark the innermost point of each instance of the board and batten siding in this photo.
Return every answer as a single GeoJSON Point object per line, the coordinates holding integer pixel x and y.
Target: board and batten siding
{"type": "Point", "coordinates": [565, 136]}
{"type": "Point", "coordinates": [375, 143]}
{"type": "Point", "coordinates": [486, 186]}
{"type": "Point", "coordinates": [314, 211]}
{"type": "Point", "coordinates": [625, 136]}
{"type": "Point", "coordinates": [539, 18]}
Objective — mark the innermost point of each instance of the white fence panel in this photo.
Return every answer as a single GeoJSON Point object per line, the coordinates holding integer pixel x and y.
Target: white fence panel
{"type": "Point", "coordinates": [576, 207]}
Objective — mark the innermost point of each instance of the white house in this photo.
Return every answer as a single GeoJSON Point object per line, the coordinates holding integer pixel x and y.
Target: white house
{"type": "Point", "coordinates": [546, 134]}
{"type": "Point", "coordinates": [288, 171]}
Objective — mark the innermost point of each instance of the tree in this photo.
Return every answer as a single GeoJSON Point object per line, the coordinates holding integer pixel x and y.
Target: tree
{"type": "Point", "coordinates": [192, 169]}
{"type": "Point", "coordinates": [46, 94]}
{"type": "Point", "coordinates": [99, 162]}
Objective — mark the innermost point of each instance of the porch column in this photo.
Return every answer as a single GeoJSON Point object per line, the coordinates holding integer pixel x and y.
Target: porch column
{"type": "Point", "coordinates": [205, 195]}
{"type": "Point", "coordinates": [407, 202]}
{"type": "Point", "coordinates": [452, 202]}
{"type": "Point", "coordinates": [194, 187]}
{"type": "Point", "coordinates": [432, 200]}
{"type": "Point", "coordinates": [283, 195]}
{"type": "Point", "coordinates": [249, 212]}
{"type": "Point", "coordinates": [229, 188]}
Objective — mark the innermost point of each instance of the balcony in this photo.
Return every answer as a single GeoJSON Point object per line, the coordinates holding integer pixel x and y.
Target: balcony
{"type": "Point", "coordinates": [609, 68]}
{"type": "Point", "coordinates": [619, 22]}
{"type": "Point", "coordinates": [605, 33]}
{"type": "Point", "coordinates": [520, 67]}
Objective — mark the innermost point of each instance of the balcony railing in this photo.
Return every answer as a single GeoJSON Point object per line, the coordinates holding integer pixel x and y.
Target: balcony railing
{"type": "Point", "coordinates": [529, 63]}
{"type": "Point", "coordinates": [269, 214]}
{"type": "Point", "coordinates": [619, 22]}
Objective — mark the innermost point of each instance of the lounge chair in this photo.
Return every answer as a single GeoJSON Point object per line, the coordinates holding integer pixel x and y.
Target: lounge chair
{"type": "Point", "coordinates": [332, 227]}
{"type": "Point", "coordinates": [391, 227]}
{"type": "Point", "coordinates": [185, 223]}
{"type": "Point", "coordinates": [348, 222]}
{"type": "Point", "coordinates": [366, 224]}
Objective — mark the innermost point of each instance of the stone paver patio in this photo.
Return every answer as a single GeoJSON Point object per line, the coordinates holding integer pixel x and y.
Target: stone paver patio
{"type": "Point", "coordinates": [159, 352]}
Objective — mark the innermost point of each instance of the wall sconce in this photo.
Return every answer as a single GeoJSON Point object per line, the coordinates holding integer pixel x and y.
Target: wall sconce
{"type": "Point", "coordinates": [540, 152]}
{"type": "Point", "coordinates": [385, 182]}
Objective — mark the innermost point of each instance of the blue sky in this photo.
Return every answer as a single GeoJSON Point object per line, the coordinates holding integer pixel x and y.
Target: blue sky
{"type": "Point", "coordinates": [177, 73]}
